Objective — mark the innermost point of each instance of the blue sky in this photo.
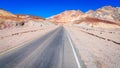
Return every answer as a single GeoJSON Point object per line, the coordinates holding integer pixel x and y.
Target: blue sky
{"type": "Point", "coordinates": [47, 8]}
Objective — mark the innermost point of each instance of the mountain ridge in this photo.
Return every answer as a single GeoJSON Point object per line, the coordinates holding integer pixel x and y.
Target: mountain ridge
{"type": "Point", "coordinates": [106, 15]}
{"type": "Point", "coordinates": [7, 19]}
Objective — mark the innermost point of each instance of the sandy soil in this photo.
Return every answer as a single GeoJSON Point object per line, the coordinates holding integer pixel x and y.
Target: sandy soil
{"type": "Point", "coordinates": [95, 52]}
{"type": "Point", "coordinates": [113, 34]}
{"type": "Point", "coordinates": [15, 37]}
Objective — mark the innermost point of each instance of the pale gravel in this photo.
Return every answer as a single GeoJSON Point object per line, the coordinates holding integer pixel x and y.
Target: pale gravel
{"type": "Point", "coordinates": [10, 41]}
{"type": "Point", "coordinates": [108, 33]}
{"type": "Point", "coordinates": [95, 52]}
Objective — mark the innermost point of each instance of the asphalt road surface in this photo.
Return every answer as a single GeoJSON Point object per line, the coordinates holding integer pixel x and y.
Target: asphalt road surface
{"type": "Point", "coordinates": [53, 50]}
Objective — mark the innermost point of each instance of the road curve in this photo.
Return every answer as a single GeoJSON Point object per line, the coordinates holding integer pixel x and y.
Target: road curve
{"type": "Point", "coordinates": [53, 50]}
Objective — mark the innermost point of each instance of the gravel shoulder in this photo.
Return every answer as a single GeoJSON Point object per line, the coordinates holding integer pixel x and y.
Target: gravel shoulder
{"type": "Point", "coordinates": [15, 37]}
{"type": "Point", "coordinates": [95, 52]}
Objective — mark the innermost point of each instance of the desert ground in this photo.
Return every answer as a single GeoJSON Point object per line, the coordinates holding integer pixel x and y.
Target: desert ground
{"type": "Point", "coordinates": [70, 39]}
{"type": "Point", "coordinates": [95, 47]}
{"type": "Point", "coordinates": [17, 36]}
{"type": "Point", "coordinates": [98, 48]}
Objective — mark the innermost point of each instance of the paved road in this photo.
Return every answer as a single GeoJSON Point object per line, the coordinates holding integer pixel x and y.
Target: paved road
{"type": "Point", "coordinates": [53, 50]}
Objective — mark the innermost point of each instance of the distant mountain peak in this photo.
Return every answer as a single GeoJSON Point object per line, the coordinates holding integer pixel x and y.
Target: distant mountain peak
{"type": "Point", "coordinates": [66, 16]}
{"type": "Point", "coordinates": [107, 15]}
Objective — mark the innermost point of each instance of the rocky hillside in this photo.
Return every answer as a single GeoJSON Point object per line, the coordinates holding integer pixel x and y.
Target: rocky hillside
{"type": "Point", "coordinates": [103, 17]}
{"type": "Point", "coordinates": [29, 17]}
{"type": "Point", "coordinates": [8, 20]}
{"type": "Point", "coordinates": [66, 16]}
{"type": "Point", "coordinates": [4, 13]}
{"type": "Point", "coordinates": [106, 15]}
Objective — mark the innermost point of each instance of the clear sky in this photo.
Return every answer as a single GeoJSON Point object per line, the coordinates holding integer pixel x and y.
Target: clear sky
{"type": "Point", "coordinates": [47, 8]}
